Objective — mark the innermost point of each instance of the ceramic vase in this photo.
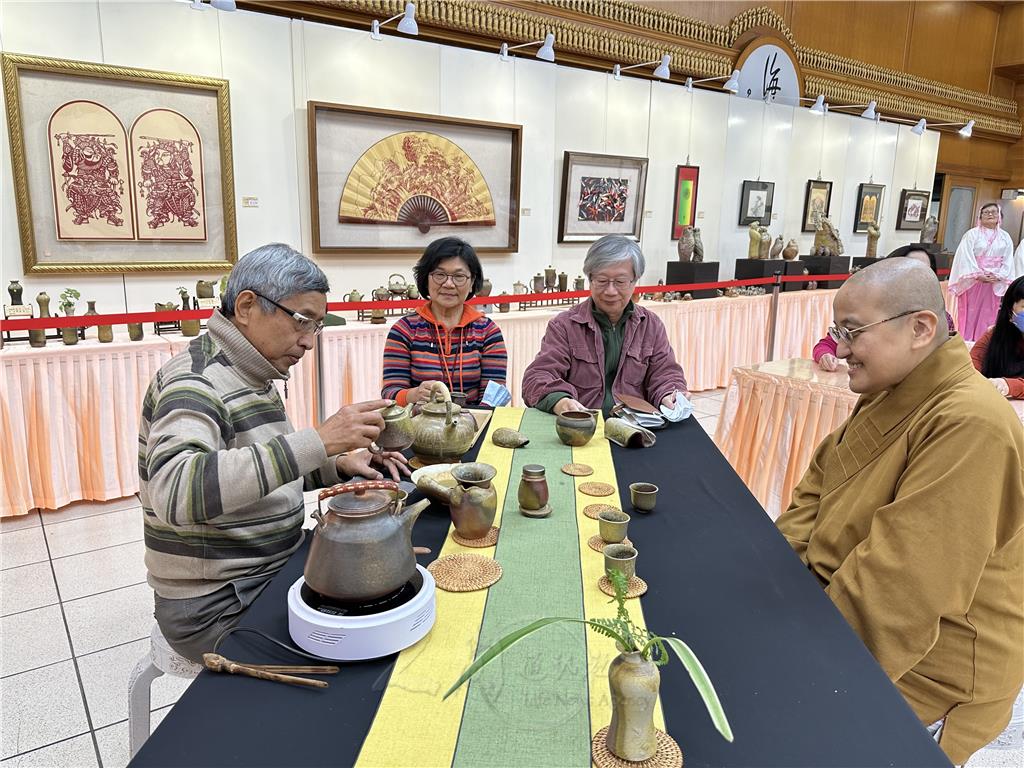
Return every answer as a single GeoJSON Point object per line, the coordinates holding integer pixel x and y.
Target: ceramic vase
{"type": "Point", "coordinates": [37, 337]}
{"type": "Point", "coordinates": [204, 289]}
{"type": "Point", "coordinates": [15, 290]}
{"type": "Point", "coordinates": [550, 277]}
{"type": "Point", "coordinates": [634, 683]}
{"type": "Point", "coordinates": [580, 284]}
{"type": "Point", "coordinates": [69, 335]}
{"type": "Point", "coordinates": [105, 333]}
{"type": "Point", "coordinates": [563, 281]}
{"type": "Point", "coordinates": [135, 331]}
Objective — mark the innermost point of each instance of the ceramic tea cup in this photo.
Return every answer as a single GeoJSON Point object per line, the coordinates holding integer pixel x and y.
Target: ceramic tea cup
{"type": "Point", "coordinates": [622, 558]}
{"type": "Point", "coordinates": [612, 524]}
{"type": "Point", "coordinates": [643, 496]}
{"type": "Point", "coordinates": [575, 428]}
{"type": "Point", "coordinates": [459, 398]}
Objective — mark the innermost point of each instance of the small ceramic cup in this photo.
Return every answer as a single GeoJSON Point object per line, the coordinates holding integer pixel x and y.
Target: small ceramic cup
{"type": "Point", "coordinates": [575, 428]}
{"type": "Point", "coordinates": [613, 525]}
{"type": "Point", "coordinates": [622, 558]}
{"type": "Point", "coordinates": [643, 496]}
{"type": "Point", "coordinates": [459, 398]}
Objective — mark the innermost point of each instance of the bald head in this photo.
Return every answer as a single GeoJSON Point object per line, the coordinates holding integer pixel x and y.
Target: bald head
{"type": "Point", "coordinates": [900, 285]}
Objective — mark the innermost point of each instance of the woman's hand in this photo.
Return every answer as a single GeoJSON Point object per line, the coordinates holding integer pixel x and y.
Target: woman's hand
{"type": "Point", "coordinates": [421, 394]}
{"type": "Point", "coordinates": [1001, 386]}
{"type": "Point", "coordinates": [568, 404]}
{"type": "Point", "coordinates": [364, 463]}
{"type": "Point", "coordinates": [828, 362]}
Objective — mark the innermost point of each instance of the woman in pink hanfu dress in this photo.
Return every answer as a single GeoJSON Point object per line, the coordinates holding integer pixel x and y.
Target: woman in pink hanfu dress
{"type": "Point", "coordinates": [983, 267]}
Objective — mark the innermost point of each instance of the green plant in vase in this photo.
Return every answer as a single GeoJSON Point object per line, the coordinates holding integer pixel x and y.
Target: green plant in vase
{"type": "Point", "coordinates": [633, 676]}
{"type": "Point", "coordinates": [68, 300]}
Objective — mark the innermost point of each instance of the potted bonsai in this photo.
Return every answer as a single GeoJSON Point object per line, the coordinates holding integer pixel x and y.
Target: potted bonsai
{"type": "Point", "coordinates": [633, 675]}
{"type": "Point", "coordinates": [68, 299]}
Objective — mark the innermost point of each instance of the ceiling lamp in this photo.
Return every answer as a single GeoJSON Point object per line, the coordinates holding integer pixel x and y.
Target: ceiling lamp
{"type": "Point", "coordinates": [919, 128]}
{"type": "Point", "coordinates": [818, 107]}
{"type": "Point", "coordinates": [407, 25]}
{"type": "Point", "coordinates": [732, 83]}
{"type": "Point", "coordinates": [546, 51]}
{"type": "Point", "coordinates": [661, 71]}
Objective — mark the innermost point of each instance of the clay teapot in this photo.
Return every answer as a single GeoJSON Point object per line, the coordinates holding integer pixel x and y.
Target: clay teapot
{"type": "Point", "coordinates": [441, 431]}
{"type": "Point", "coordinates": [381, 294]}
{"type": "Point", "coordinates": [397, 285]}
{"type": "Point", "coordinates": [398, 431]}
{"type": "Point", "coordinates": [362, 544]}
{"type": "Point", "coordinates": [353, 295]}
{"type": "Point", "coordinates": [519, 287]}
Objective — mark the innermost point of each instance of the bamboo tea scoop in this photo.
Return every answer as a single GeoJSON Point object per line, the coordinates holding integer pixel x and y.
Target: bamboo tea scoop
{"type": "Point", "coordinates": [273, 672]}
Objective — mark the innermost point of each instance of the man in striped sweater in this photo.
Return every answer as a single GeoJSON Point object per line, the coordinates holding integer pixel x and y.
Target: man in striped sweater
{"type": "Point", "coordinates": [222, 470]}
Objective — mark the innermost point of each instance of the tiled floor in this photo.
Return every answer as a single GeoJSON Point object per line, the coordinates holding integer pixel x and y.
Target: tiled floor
{"type": "Point", "coordinates": [75, 616]}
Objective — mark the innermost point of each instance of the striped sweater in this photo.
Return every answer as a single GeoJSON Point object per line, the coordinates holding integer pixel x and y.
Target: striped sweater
{"type": "Point", "coordinates": [221, 469]}
{"type": "Point", "coordinates": [465, 357]}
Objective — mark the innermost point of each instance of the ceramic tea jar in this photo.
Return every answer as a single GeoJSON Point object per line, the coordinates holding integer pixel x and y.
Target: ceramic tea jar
{"type": "Point", "coordinates": [37, 337]}
{"type": "Point", "coordinates": [503, 306]}
{"type": "Point", "coordinates": [135, 332]}
{"type": "Point", "coordinates": [15, 290]}
{"type": "Point", "coordinates": [580, 284]}
{"type": "Point", "coordinates": [563, 281]}
{"type": "Point", "coordinates": [634, 683]}
{"type": "Point", "coordinates": [486, 288]}
{"type": "Point", "coordinates": [204, 289]}
{"type": "Point", "coordinates": [538, 283]}
{"type": "Point", "coordinates": [533, 488]}
{"type": "Point", "coordinates": [575, 428]}
{"type": "Point", "coordinates": [550, 277]}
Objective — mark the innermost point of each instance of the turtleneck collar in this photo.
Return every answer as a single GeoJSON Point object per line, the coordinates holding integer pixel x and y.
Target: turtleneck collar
{"type": "Point", "coordinates": [252, 366]}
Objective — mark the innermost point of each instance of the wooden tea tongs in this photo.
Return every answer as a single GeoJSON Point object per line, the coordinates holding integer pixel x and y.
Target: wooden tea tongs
{"type": "Point", "coordinates": [277, 673]}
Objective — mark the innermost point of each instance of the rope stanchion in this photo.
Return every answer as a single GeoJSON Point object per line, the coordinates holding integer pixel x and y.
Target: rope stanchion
{"type": "Point", "coordinates": [773, 317]}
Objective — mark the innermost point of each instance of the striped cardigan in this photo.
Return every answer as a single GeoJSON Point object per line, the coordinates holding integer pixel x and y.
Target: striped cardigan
{"type": "Point", "coordinates": [465, 357]}
{"type": "Point", "coordinates": [221, 469]}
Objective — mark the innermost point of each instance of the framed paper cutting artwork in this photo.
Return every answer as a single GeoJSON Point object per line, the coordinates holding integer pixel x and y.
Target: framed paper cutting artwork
{"type": "Point", "coordinates": [392, 182]}
{"type": "Point", "coordinates": [869, 206]}
{"type": "Point", "coordinates": [816, 203]}
{"type": "Point", "coordinates": [601, 195]}
{"type": "Point", "coordinates": [684, 207]}
{"type": "Point", "coordinates": [118, 169]}
{"type": "Point", "coordinates": [913, 209]}
{"type": "Point", "coordinates": [756, 202]}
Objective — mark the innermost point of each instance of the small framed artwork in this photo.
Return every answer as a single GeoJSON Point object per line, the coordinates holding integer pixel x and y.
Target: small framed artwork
{"type": "Point", "coordinates": [816, 203]}
{"type": "Point", "coordinates": [1010, 193]}
{"type": "Point", "coordinates": [913, 209]}
{"type": "Point", "coordinates": [684, 208]}
{"type": "Point", "coordinates": [869, 206]}
{"type": "Point", "coordinates": [756, 202]}
{"type": "Point", "coordinates": [601, 195]}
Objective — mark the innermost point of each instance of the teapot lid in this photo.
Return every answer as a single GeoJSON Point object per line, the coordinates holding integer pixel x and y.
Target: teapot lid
{"type": "Point", "coordinates": [394, 411]}
{"type": "Point", "coordinates": [440, 408]}
{"type": "Point", "coordinates": [362, 503]}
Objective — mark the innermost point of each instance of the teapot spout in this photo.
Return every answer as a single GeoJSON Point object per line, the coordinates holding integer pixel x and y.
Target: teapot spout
{"type": "Point", "coordinates": [409, 514]}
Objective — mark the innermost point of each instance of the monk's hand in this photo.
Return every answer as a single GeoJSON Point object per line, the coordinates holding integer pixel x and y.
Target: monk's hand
{"type": "Point", "coordinates": [828, 362]}
{"type": "Point", "coordinates": [1001, 386]}
{"type": "Point", "coordinates": [568, 404]}
{"type": "Point", "coordinates": [353, 427]}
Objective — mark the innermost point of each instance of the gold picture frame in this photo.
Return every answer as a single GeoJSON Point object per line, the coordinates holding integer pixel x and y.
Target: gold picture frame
{"type": "Point", "coordinates": [43, 250]}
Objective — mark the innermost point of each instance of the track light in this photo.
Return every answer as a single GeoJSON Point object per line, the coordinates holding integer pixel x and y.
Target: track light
{"type": "Point", "coordinates": [919, 128]}
{"type": "Point", "coordinates": [546, 52]}
{"type": "Point", "coordinates": [661, 71]}
{"type": "Point", "coordinates": [407, 25]}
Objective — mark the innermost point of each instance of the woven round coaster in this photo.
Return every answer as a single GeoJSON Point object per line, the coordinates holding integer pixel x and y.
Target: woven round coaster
{"type": "Point", "coordinates": [637, 586]}
{"type": "Point", "coordinates": [489, 539]}
{"type": "Point", "coordinates": [578, 470]}
{"type": "Point", "coordinates": [598, 544]}
{"type": "Point", "coordinates": [668, 755]}
{"type": "Point", "coordinates": [593, 510]}
{"type": "Point", "coordinates": [597, 489]}
{"type": "Point", "coordinates": [464, 572]}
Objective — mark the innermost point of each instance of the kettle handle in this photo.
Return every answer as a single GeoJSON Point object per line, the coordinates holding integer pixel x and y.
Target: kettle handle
{"type": "Point", "coordinates": [366, 485]}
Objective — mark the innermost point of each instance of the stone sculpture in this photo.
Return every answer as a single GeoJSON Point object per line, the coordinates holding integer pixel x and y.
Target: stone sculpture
{"type": "Point", "coordinates": [686, 244]}
{"type": "Point", "coordinates": [873, 233]}
{"type": "Point", "coordinates": [698, 246]}
{"type": "Point", "coordinates": [826, 239]}
{"type": "Point", "coordinates": [790, 251]}
{"type": "Point", "coordinates": [754, 233]}
{"type": "Point", "coordinates": [776, 248]}
{"type": "Point", "coordinates": [929, 230]}
{"type": "Point", "coordinates": [764, 247]}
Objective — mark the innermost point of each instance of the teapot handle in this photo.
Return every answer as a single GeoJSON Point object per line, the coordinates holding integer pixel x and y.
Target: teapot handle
{"type": "Point", "coordinates": [366, 485]}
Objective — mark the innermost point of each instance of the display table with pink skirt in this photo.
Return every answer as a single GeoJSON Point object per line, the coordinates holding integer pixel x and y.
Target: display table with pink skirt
{"type": "Point", "coordinates": [775, 415]}
{"type": "Point", "coordinates": [70, 415]}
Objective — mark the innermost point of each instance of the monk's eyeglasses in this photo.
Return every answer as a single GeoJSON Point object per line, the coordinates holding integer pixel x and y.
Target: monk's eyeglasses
{"type": "Point", "coordinates": [846, 335]}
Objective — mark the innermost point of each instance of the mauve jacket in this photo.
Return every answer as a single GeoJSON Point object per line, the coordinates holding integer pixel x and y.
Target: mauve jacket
{"type": "Point", "coordinates": [571, 360]}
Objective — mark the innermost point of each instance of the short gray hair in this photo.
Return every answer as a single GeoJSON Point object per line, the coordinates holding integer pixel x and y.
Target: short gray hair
{"type": "Point", "coordinates": [612, 249]}
{"type": "Point", "coordinates": [276, 271]}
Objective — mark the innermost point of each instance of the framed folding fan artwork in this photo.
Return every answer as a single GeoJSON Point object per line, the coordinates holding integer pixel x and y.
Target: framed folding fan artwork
{"type": "Point", "coordinates": [913, 209]}
{"type": "Point", "coordinates": [816, 203]}
{"type": "Point", "coordinates": [601, 195]}
{"type": "Point", "coordinates": [756, 202]}
{"type": "Point", "coordinates": [869, 206]}
{"type": "Point", "coordinates": [118, 169]}
{"type": "Point", "coordinates": [684, 207]}
{"type": "Point", "coordinates": [392, 182]}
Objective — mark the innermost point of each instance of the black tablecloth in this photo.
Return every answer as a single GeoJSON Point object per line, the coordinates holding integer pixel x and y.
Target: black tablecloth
{"type": "Point", "coordinates": [799, 687]}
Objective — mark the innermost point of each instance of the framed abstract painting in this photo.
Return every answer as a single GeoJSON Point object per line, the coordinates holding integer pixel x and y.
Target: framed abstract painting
{"type": "Point", "coordinates": [816, 203]}
{"type": "Point", "coordinates": [684, 207]}
{"type": "Point", "coordinates": [869, 206]}
{"type": "Point", "coordinates": [756, 202]}
{"type": "Point", "coordinates": [601, 195]}
{"type": "Point", "coordinates": [118, 169]}
{"type": "Point", "coordinates": [913, 209]}
{"type": "Point", "coordinates": [392, 182]}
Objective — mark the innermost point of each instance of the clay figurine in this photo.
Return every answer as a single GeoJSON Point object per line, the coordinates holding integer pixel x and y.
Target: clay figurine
{"type": "Point", "coordinates": [929, 230]}
{"type": "Point", "coordinates": [826, 239]}
{"type": "Point", "coordinates": [776, 248]}
{"type": "Point", "coordinates": [698, 246]}
{"type": "Point", "coordinates": [754, 233]}
{"type": "Point", "coordinates": [872, 248]}
{"type": "Point", "coordinates": [685, 246]}
{"type": "Point", "coordinates": [790, 251]}
{"type": "Point", "coordinates": [766, 242]}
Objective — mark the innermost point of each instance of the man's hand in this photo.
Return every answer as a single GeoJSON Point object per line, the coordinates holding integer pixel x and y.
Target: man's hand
{"type": "Point", "coordinates": [1001, 386]}
{"type": "Point", "coordinates": [568, 404]}
{"type": "Point", "coordinates": [421, 394]}
{"type": "Point", "coordinates": [364, 463]}
{"type": "Point", "coordinates": [352, 427]}
{"type": "Point", "coordinates": [828, 362]}
{"type": "Point", "coordinates": [669, 400]}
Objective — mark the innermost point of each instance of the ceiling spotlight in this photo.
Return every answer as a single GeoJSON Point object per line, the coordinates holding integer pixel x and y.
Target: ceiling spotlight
{"type": "Point", "coordinates": [407, 25]}
{"type": "Point", "coordinates": [661, 71]}
{"type": "Point", "coordinates": [918, 129]}
{"type": "Point", "coordinates": [546, 52]}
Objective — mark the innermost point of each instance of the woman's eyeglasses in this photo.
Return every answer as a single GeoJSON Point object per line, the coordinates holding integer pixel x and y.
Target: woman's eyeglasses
{"type": "Point", "coordinates": [304, 324]}
{"type": "Point", "coordinates": [440, 277]}
{"type": "Point", "coordinates": [602, 282]}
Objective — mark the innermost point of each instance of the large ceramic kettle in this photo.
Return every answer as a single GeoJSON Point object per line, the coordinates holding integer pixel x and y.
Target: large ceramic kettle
{"type": "Point", "coordinates": [441, 431]}
{"type": "Point", "coordinates": [362, 545]}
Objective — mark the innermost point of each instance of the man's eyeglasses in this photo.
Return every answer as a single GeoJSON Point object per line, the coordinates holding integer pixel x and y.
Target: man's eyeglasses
{"type": "Point", "coordinates": [440, 277]}
{"type": "Point", "coordinates": [620, 285]}
{"type": "Point", "coordinates": [846, 335]}
{"type": "Point", "coordinates": [305, 324]}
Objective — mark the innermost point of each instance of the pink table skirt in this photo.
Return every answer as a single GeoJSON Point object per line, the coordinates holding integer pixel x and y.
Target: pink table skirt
{"type": "Point", "coordinates": [70, 415]}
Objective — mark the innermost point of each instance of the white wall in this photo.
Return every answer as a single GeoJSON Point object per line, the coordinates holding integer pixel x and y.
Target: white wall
{"type": "Point", "coordinates": [276, 65]}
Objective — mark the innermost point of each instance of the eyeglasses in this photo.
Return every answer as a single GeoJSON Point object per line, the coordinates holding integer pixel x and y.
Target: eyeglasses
{"type": "Point", "coordinates": [305, 324]}
{"type": "Point", "coordinates": [440, 277]}
{"type": "Point", "coordinates": [846, 335]}
{"type": "Point", "coordinates": [620, 285]}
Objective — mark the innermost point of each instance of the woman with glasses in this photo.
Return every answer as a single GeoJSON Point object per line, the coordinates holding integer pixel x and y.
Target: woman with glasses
{"type": "Point", "coordinates": [983, 267]}
{"type": "Point", "coordinates": [445, 340]}
{"type": "Point", "coordinates": [999, 353]}
{"type": "Point", "coordinates": [607, 345]}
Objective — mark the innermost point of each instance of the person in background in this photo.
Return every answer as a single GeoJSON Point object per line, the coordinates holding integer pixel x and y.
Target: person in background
{"type": "Point", "coordinates": [221, 468]}
{"type": "Point", "coordinates": [911, 514]}
{"type": "Point", "coordinates": [446, 340]}
{"type": "Point", "coordinates": [824, 352]}
{"type": "Point", "coordinates": [605, 344]}
{"type": "Point", "coordinates": [999, 353]}
{"type": "Point", "coordinates": [984, 265]}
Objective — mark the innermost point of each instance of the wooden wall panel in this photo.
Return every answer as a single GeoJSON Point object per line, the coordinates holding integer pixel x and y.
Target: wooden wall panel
{"type": "Point", "coordinates": [1010, 40]}
{"type": "Point", "coordinates": [873, 32]}
{"type": "Point", "coordinates": [952, 42]}
{"type": "Point", "coordinates": [976, 157]}
{"type": "Point", "coordinates": [715, 12]}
